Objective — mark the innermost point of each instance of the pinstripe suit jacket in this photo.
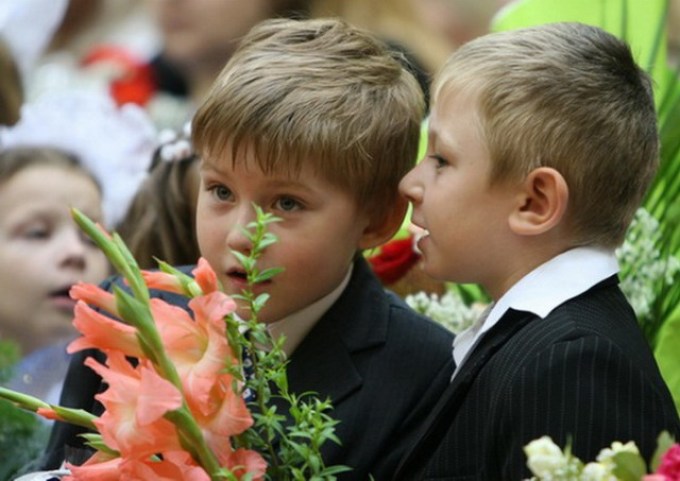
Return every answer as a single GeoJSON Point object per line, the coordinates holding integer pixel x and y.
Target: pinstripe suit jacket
{"type": "Point", "coordinates": [583, 373]}
{"type": "Point", "coordinates": [383, 366]}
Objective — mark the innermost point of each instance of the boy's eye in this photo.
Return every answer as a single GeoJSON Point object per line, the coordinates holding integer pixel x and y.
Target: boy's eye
{"type": "Point", "coordinates": [287, 204]}
{"type": "Point", "coordinates": [439, 161]}
{"type": "Point", "coordinates": [221, 192]}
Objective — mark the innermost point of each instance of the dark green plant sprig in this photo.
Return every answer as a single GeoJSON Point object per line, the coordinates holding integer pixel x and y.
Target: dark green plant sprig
{"type": "Point", "coordinates": [291, 447]}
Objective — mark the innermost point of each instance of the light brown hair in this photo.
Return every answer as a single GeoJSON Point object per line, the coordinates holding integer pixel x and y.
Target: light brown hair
{"type": "Point", "coordinates": [571, 97]}
{"type": "Point", "coordinates": [318, 92]}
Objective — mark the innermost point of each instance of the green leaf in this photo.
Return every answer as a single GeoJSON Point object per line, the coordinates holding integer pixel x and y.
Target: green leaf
{"type": "Point", "coordinates": [97, 442]}
{"type": "Point", "coordinates": [267, 240]}
{"type": "Point", "coordinates": [260, 301]}
{"type": "Point", "coordinates": [247, 263]}
{"type": "Point", "coordinates": [667, 354]}
{"type": "Point", "coordinates": [628, 466]}
{"type": "Point", "coordinates": [267, 274]}
{"type": "Point", "coordinates": [663, 444]}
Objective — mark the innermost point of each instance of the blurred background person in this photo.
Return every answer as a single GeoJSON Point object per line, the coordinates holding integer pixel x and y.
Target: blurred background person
{"type": "Point", "coordinates": [199, 36]}
{"type": "Point", "coordinates": [161, 221]}
{"type": "Point", "coordinates": [67, 150]}
{"type": "Point", "coordinates": [42, 254]}
{"type": "Point", "coordinates": [457, 21]}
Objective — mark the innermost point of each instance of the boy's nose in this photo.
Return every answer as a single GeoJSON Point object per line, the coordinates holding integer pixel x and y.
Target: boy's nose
{"type": "Point", "coordinates": [237, 237]}
{"type": "Point", "coordinates": [409, 188]}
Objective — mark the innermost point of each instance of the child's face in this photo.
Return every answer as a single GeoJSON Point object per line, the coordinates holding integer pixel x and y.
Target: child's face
{"type": "Point", "coordinates": [464, 216]}
{"type": "Point", "coordinates": [320, 231]}
{"type": "Point", "coordinates": [43, 252]}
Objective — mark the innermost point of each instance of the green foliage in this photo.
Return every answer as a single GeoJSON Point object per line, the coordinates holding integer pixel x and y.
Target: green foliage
{"type": "Point", "coordinates": [22, 439]}
{"type": "Point", "coordinates": [290, 444]}
{"type": "Point", "coordinates": [22, 435]}
{"type": "Point", "coordinates": [629, 466]}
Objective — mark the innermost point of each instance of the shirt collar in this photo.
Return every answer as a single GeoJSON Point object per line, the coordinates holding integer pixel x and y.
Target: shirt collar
{"type": "Point", "coordinates": [296, 326]}
{"type": "Point", "coordinates": [549, 285]}
{"type": "Point", "coordinates": [555, 282]}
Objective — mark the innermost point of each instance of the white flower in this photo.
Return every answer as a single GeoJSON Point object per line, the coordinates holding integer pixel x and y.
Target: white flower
{"type": "Point", "coordinates": [606, 456]}
{"type": "Point", "coordinates": [597, 472]}
{"type": "Point", "coordinates": [449, 310]}
{"type": "Point", "coordinates": [545, 458]}
{"type": "Point", "coordinates": [643, 269]}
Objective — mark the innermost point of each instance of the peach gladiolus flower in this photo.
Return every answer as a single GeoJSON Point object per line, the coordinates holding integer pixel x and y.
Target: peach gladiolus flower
{"type": "Point", "coordinates": [100, 467]}
{"type": "Point", "coordinates": [205, 277]}
{"type": "Point", "coordinates": [229, 416]}
{"type": "Point", "coordinates": [103, 333]}
{"type": "Point", "coordinates": [136, 401]}
{"type": "Point", "coordinates": [175, 466]}
{"type": "Point", "coordinates": [163, 281]}
{"type": "Point", "coordinates": [197, 347]}
{"type": "Point", "coordinates": [249, 462]}
{"type": "Point", "coordinates": [240, 461]}
{"type": "Point", "coordinates": [94, 296]}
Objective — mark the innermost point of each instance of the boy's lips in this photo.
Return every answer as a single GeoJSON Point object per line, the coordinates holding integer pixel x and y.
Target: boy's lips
{"type": "Point", "coordinates": [60, 298]}
{"type": "Point", "coordinates": [237, 278]}
{"type": "Point", "coordinates": [420, 234]}
{"type": "Point", "coordinates": [419, 239]}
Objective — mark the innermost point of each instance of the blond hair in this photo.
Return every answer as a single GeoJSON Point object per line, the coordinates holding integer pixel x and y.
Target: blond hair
{"type": "Point", "coordinates": [319, 93]}
{"type": "Point", "coordinates": [571, 97]}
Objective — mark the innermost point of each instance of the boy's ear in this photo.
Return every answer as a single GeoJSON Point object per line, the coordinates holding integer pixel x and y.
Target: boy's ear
{"type": "Point", "coordinates": [541, 204]}
{"type": "Point", "coordinates": [380, 230]}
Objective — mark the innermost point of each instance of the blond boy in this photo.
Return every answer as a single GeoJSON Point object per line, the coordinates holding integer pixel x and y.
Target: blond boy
{"type": "Point", "coordinates": [542, 144]}
{"type": "Point", "coordinates": [316, 122]}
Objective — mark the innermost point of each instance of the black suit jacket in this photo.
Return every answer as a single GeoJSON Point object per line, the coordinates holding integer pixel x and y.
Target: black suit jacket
{"type": "Point", "coordinates": [583, 373]}
{"type": "Point", "coordinates": [383, 366]}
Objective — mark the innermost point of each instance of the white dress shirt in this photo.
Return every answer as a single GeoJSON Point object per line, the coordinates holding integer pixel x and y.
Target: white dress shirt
{"type": "Point", "coordinates": [542, 290]}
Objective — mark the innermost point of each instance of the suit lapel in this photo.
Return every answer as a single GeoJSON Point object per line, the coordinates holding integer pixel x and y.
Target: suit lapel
{"type": "Point", "coordinates": [324, 362]}
{"type": "Point", "coordinates": [444, 413]}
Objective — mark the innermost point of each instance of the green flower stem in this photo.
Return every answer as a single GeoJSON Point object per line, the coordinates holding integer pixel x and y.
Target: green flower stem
{"type": "Point", "coordinates": [193, 441]}
{"type": "Point", "coordinates": [135, 310]}
{"type": "Point", "coordinates": [30, 403]}
{"type": "Point", "coordinates": [115, 250]}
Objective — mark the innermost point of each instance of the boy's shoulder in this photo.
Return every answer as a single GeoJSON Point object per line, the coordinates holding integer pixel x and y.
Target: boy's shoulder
{"type": "Point", "coordinates": [599, 321]}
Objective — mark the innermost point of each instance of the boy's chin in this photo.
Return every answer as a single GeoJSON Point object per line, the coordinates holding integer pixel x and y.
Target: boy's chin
{"type": "Point", "coordinates": [245, 313]}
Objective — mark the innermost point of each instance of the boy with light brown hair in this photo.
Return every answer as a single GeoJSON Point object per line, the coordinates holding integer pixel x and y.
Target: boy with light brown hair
{"type": "Point", "coordinates": [316, 122]}
{"type": "Point", "coordinates": [542, 143]}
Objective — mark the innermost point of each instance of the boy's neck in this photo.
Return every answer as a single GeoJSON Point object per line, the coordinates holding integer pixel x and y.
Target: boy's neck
{"type": "Point", "coordinates": [296, 325]}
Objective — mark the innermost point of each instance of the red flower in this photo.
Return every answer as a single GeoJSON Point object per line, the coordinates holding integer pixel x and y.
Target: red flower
{"type": "Point", "coordinates": [670, 464]}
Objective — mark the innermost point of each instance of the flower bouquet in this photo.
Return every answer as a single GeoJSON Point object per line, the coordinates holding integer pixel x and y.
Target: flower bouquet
{"type": "Point", "coordinates": [620, 462]}
{"type": "Point", "coordinates": [186, 409]}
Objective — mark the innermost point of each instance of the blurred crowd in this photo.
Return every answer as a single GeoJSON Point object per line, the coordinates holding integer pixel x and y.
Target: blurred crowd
{"type": "Point", "coordinates": [112, 85]}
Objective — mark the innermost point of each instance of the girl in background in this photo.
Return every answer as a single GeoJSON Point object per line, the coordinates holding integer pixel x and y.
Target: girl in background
{"type": "Point", "coordinates": [42, 254]}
